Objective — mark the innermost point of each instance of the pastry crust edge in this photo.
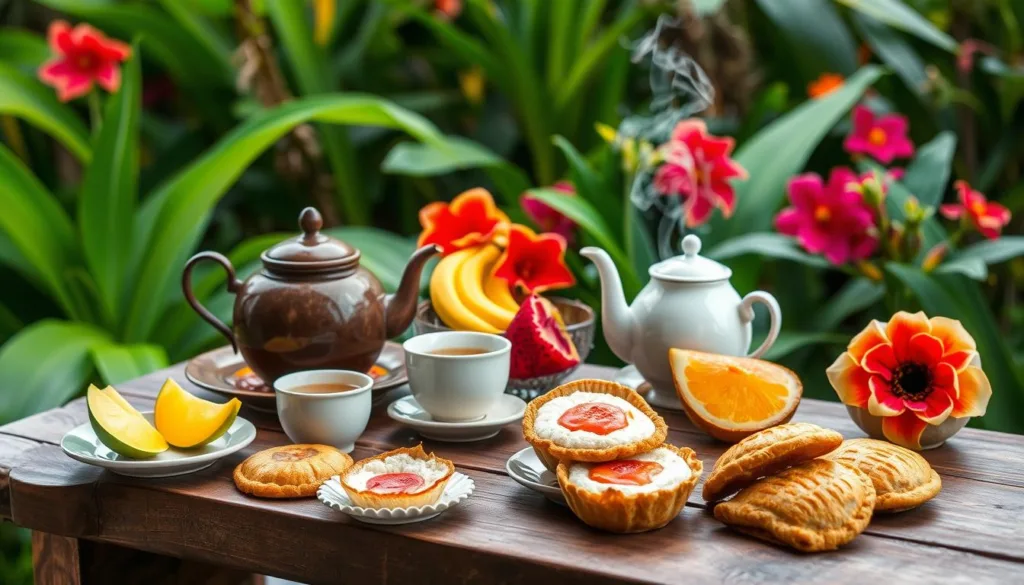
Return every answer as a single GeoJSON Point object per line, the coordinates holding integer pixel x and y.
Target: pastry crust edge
{"type": "Point", "coordinates": [261, 489]}
{"type": "Point", "coordinates": [369, 499]}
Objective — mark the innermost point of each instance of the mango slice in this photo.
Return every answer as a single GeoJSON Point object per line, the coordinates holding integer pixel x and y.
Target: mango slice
{"type": "Point", "coordinates": [187, 421]}
{"type": "Point", "coordinates": [120, 427]}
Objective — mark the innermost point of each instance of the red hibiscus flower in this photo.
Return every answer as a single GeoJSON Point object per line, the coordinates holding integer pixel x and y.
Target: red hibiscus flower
{"type": "Point", "coordinates": [913, 372]}
{"type": "Point", "coordinates": [448, 9]}
{"type": "Point", "coordinates": [884, 137]}
{"type": "Point", "coordinates": [471, 218]}
{"type": "Point", "coordinates": [548, 218]}
{"type": "Point", "coordinates": [534, 262]}
{"type": "Point", "coordinates": [82, 55]}
{"type": "Point", "coordinates": [988, 217]}
{"type": "Point", "coordinates": [698, 168]}
{"type": "Point", "coordinates": [825, 84]}
{"type": "Point", "coordinates": [832, 220]}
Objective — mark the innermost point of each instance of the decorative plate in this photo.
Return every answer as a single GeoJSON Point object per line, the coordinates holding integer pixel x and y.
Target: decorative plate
{"type": "Point", "coordinates": [526, 469]}
{"type": "Point", "coordinates": [82, 444]}
{"type": "Point", "coordinates": [459, 487]}
{"type": "Point", "coordinates": [223, 371]}
{"type": "Point", "coordinates": [507, 409]}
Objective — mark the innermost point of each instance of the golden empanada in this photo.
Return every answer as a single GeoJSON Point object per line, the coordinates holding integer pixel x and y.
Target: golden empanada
{"type": "Point", "coordinates": [765, 453]}
{"type": "Point", "coordinates": [902, 478]}
{"type": "Point", "coordinates": [815, 506]}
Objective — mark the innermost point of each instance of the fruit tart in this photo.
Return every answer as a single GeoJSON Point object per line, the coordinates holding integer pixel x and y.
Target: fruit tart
{"type": "Point", "coordinates": [403, 478]}
{"type": "Point", "coordinates": [642, 492]}
{"type": "Point", "coordinates": [591, 421]}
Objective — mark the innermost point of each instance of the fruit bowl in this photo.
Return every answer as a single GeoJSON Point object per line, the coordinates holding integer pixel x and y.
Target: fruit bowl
{"type": "Point", "coordinates": [579, 324]}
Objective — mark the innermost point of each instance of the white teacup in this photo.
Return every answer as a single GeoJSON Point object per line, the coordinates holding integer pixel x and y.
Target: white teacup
{"type": "Point", "coordinates": [335, 418]}
{"type": "Point", "coordinates": [457, 388]}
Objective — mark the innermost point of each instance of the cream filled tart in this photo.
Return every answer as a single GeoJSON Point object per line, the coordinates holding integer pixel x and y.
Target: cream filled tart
{"type": "Point", "coordinates": [403, 478]}
{"type": "Point", "coordinates": [591, 421]}
{"type": "Point", "coordinates": [643, 492]}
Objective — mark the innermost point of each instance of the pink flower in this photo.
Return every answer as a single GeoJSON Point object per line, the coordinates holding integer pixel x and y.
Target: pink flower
{"type": "Point", "coordinates": [832, 220]}
{"type": "Point", "coordinates": [547, 218]}
{"type": "Point", "coordinates": [698, 167]}
{"type": "Point", "coordinates": [83, 55]}
{"type": "Point", "coordinates": [895, 174]}
{"type": "Point", "coordinates": [884, 137]}
{"type": "Point", "coordinates": [988, 217]}
{"type": "Point", "coordinates": [965, 54]}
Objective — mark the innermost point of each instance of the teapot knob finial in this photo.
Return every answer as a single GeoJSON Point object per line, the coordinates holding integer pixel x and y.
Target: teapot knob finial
{"type": "Point", "coordinates": [310, 221]}
{"type": "Point", "coordinates": [691, 245]}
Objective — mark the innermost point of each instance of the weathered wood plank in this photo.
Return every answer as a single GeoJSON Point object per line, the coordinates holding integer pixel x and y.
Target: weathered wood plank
{"type": "Point", "coordinates": [55, 560]}
{"type": "Point", "coordinates": [12, 453]}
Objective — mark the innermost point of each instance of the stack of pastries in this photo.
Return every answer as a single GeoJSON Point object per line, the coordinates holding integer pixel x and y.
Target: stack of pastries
{"type": "Point", "coordinates": [607, 448]}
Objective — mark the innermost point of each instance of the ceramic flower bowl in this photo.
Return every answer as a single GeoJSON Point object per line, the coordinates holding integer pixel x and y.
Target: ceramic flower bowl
{"type": "Point", "coordinates": [931, 437]}
{"type": "Point", "coordinates": [579, 322]}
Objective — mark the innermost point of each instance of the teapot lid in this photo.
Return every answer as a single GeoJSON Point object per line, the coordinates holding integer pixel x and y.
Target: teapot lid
{"type": "Point", "coordinates": [690, 266]}
{"type": "Point", "coordinates": [312, 251]}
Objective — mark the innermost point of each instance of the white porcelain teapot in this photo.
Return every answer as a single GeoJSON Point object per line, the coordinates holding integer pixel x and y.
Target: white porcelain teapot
{"type": "Point", "coordinates": [687, 304]}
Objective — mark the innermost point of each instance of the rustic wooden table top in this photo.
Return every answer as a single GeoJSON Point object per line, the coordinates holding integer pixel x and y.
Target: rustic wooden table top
{"type": "Point", "coordinates": [972, 532]}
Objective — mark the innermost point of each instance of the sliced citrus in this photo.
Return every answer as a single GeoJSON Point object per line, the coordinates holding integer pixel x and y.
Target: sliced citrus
{"type": "Point", "coordinates": [187, 421]}
{"type": "Point", "coordinates": [732, 397]}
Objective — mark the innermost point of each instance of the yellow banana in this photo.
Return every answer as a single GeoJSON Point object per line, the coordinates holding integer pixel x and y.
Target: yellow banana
{"type": "Point", "coordinates": [444, 295]}
{"type": "Point", "coordinates": [497, 290]}
{"type": "Point", "coordinates": [470, 277]}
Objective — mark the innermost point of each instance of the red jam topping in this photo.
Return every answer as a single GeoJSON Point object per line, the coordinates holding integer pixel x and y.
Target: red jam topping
{"type": "Point", "coordinates": [595, 417]}
{"type": "Point", "coordinates": [394, 483]}
{"type": "Point", "coordinates": [625, 472]}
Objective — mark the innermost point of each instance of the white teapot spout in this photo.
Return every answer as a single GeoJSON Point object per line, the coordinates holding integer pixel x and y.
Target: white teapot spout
{"type": "Point", "coordinates": [617, 318]}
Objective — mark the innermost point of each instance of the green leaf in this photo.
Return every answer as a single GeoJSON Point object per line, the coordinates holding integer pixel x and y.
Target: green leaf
{"type": "Point", "coordinates": [972, 268]}
{"type": "Point", "coordinates": [171, 223]}
{"type": "Point", "coordinates": [24, 97]}
{"type": "Point", "coordinates": [109, 190]}
{"type": "Point", "coordinates": [44, 365]}
{"type": "Point", "coordinates": [768, 244]}
{"type": "Point", "coordinates": [894, 51]}
{"type": "Point", "coordinates": [790, 341]}
{"type": "Point", "coordinates": [781, 150]}
{"type": "Point", "coordinates": [927, 175]}
{"type": "Point", "coordinates": [117, 363]}
{"type": "Point", "coordinates": [984, 253]}
{"type": "Point", "coordinates": [896, 198]}
{"type": "Point", "coordinates": [23, 48]}
{"type": "Point", "coordinates": [707, 7]}
{"type": "Point", "coordinates": [898, 15]}
{"type": "Point", "coordinates": [588, 184]}
{"type": "Point", "coordinates": [818, 37]}
{"type": "Point", "coordinates": [856, 295]}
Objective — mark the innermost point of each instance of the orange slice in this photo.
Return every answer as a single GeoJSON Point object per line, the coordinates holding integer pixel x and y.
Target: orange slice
{"type": "Point", "coordinates": [732, 397]}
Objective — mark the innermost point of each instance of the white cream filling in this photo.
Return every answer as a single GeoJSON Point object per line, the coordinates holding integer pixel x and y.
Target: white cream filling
{"type": "Point", "coordinates": [638, 425]}
{"type": "Point", "coordinates": [674, 472]}
{"type": "Point", "coordinates": [430, 470]}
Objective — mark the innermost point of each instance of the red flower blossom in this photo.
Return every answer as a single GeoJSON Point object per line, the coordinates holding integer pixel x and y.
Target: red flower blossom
{"type": "Point", "coordinates": [82, 55]}
{"type": "Point", "coordinates": [548, 218]}
{"type": "Point", "coordinates": [884, 137]}
{"type": "Point", "coordinates": [471, 218]}
{"type": "Point", "coordinates": [913, 372]}
{"type": "Point", "coordinates": [448, 9]}
{"type": "Point", "coordinates": [825, 84]}
{"type": "Point", "coordinates": [832, 220]}
{"type": "Point", "coordinates": [534, 262]}
{"type": "Point", "coordinates": [698, 167]}
{"type": "Point", "coordinates": [988, 217]}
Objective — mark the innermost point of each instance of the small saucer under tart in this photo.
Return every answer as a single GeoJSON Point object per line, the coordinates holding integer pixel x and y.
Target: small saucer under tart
{"type": "Point", "coordinates": [290, 471]}
{"type": "Point", "coordinates": [402, 478]}
{"type": "Point", "coordinates": [902, 478]}
{"type": "Point", "coordinates": [592, 421]}
{"type": "Point", "coordinates": [635, 494]}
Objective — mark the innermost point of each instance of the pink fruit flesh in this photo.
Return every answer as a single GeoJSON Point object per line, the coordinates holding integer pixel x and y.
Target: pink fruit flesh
{"type": "Point", "coordinates": [539, 345]}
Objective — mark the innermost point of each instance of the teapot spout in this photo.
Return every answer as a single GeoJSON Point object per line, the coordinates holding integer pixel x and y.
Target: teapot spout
{"type": "Point", "coordinates": [616, 317]}
{"type": "Point", "coordinates": [400, 307]}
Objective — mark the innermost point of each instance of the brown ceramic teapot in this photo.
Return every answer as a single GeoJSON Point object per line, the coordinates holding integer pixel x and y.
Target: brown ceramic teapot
{"type": "Point", "coordinates": [312, 306]}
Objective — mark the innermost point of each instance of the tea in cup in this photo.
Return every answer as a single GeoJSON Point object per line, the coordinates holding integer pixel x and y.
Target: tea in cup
{"type": "Point", "coordinates": [328, 407]}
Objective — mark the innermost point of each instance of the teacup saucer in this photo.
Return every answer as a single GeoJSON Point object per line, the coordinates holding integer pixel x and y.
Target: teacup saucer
{"type": "Point", "coordinates": [629, 376]}
{"type": "Point", "coordinates": [527, 470]}
{"type": "Point", "coordinates": [507, 409]}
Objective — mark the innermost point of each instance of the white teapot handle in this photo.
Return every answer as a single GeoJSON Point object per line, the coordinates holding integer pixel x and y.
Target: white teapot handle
{"type": "Point", "coordinates": [774, 312]}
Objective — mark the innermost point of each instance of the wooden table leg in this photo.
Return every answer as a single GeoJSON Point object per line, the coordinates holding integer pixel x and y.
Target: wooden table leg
{"type": "Point", "coordinates": [55, 559]}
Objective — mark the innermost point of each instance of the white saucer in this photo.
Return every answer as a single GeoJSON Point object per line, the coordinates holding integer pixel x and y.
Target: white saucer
{"type": "Point", "coordinates": [629, 376]}
{"type": "Point", "coordinates": [527, 470]}
{"type": "Point", "coordinates": [507, 409]}
{"type": "Point", "coordinates": [332, 495]}
{"type": "Point", "coordinates": [82, 444]}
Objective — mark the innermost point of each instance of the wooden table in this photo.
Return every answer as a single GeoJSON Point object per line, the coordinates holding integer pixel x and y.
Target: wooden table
{"type": "Point", "coordinates": [96, 527]}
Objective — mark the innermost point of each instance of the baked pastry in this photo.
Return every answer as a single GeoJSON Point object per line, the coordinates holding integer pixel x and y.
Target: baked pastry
{"type": "Point", "coordinates": [640, 493]}
{"type": "Point", "coordinates": [403, 478]}
{"type": "Point", "coordinates": [593, 421]}
{"type": "Point", "coordinates": [902, 478]}
{"type": "Point", "coordinates": [765, 453]}
{"type": "Point", "coordinates": [291, 471]}
{"type": "Point", "coordinates": [815, 506]}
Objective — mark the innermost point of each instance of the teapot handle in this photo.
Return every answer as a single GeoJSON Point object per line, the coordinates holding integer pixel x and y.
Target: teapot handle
{"type": "Point", "coordinates": [774, 312]}
{"type": "Point", "coordinates": [233, 285]}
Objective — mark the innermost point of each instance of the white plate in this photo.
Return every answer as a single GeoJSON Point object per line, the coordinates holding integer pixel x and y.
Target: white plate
{"type": "Point", "coordinates": [507, 409]}
{"type": "Point", "coordinates": [82, 444]}
{"type": "Point", "coordinates": [527, 470]}
{"type": "Point", "coordinates": [332, 495]}
{"type": "Point", "coordinates": [629, 376]}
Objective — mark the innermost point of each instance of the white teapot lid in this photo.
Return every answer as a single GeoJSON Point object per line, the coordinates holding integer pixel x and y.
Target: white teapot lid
{"type": "Point", "coordinates": [690, 266]}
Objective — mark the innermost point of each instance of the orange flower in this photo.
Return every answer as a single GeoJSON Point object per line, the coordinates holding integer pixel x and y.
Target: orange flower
{"type": "Point", "coordinates": [912, 372]}
{"type": "Point", "coordinates": [535, 262]}
{"type": "Point", "coordinates": [471, 218]}
{"type": "Point", "coordinates": [825, 84]}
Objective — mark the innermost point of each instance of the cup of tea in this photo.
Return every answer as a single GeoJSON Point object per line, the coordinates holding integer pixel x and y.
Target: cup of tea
{"type": "Point", "coordinates": [328, 407]}
{"type": "Point", "coordinates": [457, 376]}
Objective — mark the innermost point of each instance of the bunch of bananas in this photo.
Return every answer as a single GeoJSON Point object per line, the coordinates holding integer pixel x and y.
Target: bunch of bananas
{"type": "Point", "coordinates": [467, 296]}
